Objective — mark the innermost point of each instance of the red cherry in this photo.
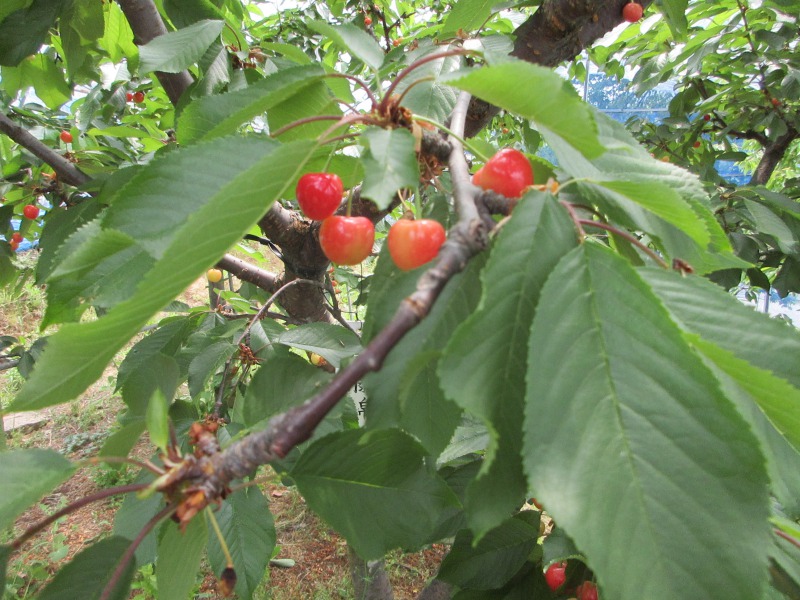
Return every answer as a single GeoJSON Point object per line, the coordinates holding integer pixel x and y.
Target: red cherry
{"type": "Point", "coordinates": [346, 240]}
{"type": "Point", "coordinates": [697, 144]}
{"type": "Point", "coordinates": [66, 137]}
{"type": "Point", "coordinates": [129, 97]}
{"type": "Point", "coordinates": [413, 243]}
{"type": "Point", "coordinates": [14, 245]}
{"type": "Point", "coordinates": [556, 575]}
{"type": "Point", "coordinates": [632, 12]}
{"type": "Point", "coordinates": [30, 211]}
{"type": "Point", "coordinates": [367, 21]}
{"type": "Point", "coordinates": [706, 117]}
{"type": "Point", "coordinates": [775, 102]}
{"type": "Point", "coordinates": [138, 97]}
{"type": "Point", "coordinates": [587, 591]}
{"type": "Point", "coordinates": [319, 194]}
{"type": "Point", "coordinates": [508, 173]}
{"type": "Point", "coordinates": [16, 237]}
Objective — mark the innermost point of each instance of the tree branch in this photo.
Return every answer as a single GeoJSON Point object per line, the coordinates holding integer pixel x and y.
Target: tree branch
{"type": "Point", "coordinates": [147, 25]}
{"type": "Point", "coordinates": [249, 273]}
{"type": "Point", "coordinates": [65, 170]}
{"type": "Point", "coordinates": [774, 151]}
{"type": "Point", "coordinates": [558, 31]}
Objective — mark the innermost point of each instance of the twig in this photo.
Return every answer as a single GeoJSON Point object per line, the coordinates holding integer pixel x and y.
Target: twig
{"type": "Point", "coordinates": [787, 537]}
{"type": "Point", "coordinates": [624, 234]}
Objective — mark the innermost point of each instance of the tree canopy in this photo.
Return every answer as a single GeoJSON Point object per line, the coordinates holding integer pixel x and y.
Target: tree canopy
{"type": "Point", "coordinates": [568, 379]}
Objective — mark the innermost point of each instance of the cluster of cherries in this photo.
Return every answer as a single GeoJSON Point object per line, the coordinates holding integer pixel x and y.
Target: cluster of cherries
{"type": "Point", "coordinates": [135, 97]}
{"type": "Point", "coordinates": [556, 577]}
{"type": "Point", "coordinates": [348, 240]}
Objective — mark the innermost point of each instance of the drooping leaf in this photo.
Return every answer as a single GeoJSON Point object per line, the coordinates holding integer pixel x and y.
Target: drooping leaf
{"type": "Point", "coordinates": [199, 217]}
{"type": "Point", "coordinates": [24, 31]}
{"type": "Point", "coordinates": [430, 99]}
{"type": "Point", "coordinates": [496, 558]}
{"type": "Point", "coordinates": [488, 378]}
{"type": "Point", "coordinates": [249, 532]}
{"type": "Point", "coordinates": [176, 51]}
{"type": "Point", "coordinates": [675, 11]}
{"type": "Point", "coordinates": [222, 114]}
{"type": "Point", "coordinates": [333, 342]}
{"type": "Point", "coordinates": [157, 420]}
{"type": "Point", "coordinates": [624, 424]}
{"type": "Point", "coordinates": [179, 554]}
{"type": "Point", "coordinates": [87, 575]}
{"type": "Point", "coordinates": [207, 363]}
{"type": "Point", "coordinates": [352, 39]}
{"type": "Point", "coordinates": [538, 94]}
{"type": "Point", "coordinates": [26, 476]}
{"type": "Point", "coordinates": [390, 164]}
{"type": "Point", "coordinates": [373, 488]}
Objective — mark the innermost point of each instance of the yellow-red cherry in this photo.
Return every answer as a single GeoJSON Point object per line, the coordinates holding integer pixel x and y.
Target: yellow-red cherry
{"type": "Point", "coordinates": [138, 97]}
{"type": "Point", "coordinates": [508, 173]}
{"type": "Point", "coordinates": [14, 245]}
{"type": "Point", "coordinates": [66, 137]}
{"type": "Point", "coordinates": [319, 194]}
{"type": "Point", "coordinates": [30, 211]}
{"type": "Point", "coordinates": [346, 240]}
{"type": "Point", "coordinates": [129, 97]}
{"type": "Point", "coordinates": [556, 575]}
{"type": "Point", "coordinates": [16, 237]}
{"type": "Point", "coordinates": [414, 243]}
{"type": "Point", "coordinates": [632, 12]}
{"type": "Point", "coordinates": [367, 21]}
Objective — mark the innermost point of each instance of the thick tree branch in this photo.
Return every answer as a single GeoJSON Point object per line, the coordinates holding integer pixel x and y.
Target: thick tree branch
{"type": "Point", "coordinates": [774, 152]}
{"type": "Point", "coordinates": [146, 23]}
{"type": "Point", "coordinates": [65, 170]}
{"type": "Point", "coordinates": [558, 31]}
{"type": "Point", "coordinates": [250, 273]}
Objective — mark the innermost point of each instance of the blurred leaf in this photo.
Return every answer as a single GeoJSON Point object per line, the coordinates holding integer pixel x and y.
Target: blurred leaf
{"type": "Point", "coordinates": [179, 554]}
{"type": "Point", "coordinates": [333, 342]}
{"type": "Point", "coordinates": [157, 420]}
{"type": "Point", "coordinates": [176, 51]}
{"type": "Point", "coordinates": [354, 40]}
{"type": "Point", "coordinates": [23, 32]}
{"type": "Point", "coordinates": [390, 164]}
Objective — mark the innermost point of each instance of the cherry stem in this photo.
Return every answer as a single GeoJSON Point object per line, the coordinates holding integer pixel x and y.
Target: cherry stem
{"type": "Point", "coordinates": [78, 504]}
{"type": "Point", "coordinates": [415, 65]}
{"type": "Point", "coordinates": [347, 120]}
{"type": "Point", "coordinates": [222, 544]}
{"type": "Point", "coordinates": [623, 234]}
{"type": "Point", "coordinates": [128, 555]}
{"type": "Point", "coordinates": [477, 153]}
{"type": "Point", "coordinates": [360, 83]}
{"type": "Point", "coordinates": [787, 537]}
{"type": "Point", "coordinates": [303, 121]}
{"type": "Point", "coordinates": [235, 34]}
{"type": "Point", "coordinates": [147, 465]}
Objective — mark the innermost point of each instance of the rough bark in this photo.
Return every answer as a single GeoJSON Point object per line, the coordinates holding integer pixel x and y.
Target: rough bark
{"type": "Point", "coordinates": [774, 152]}
{"type": "Point", "coordinates": [558, 31]}
{"type": "Point", "coordinates": [370, 580]}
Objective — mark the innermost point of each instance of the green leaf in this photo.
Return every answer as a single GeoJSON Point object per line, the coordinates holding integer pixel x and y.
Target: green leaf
{"type": "Point", "coordinates": [87, 575]}
{"type": "Point", "coordinates": [766, 221]}
{"type": "Point", "coordinates": [176, 51]}
{"type": "Point", "coordinates": [662, 201]}
{"type": "Point", "coordinates": [23, 32]}
{"type": "Point", "coordinates": [27, 475]}
{"type": "Point", "coordinates": [179, 554]}
{"type": "Point", "coordinates": [249, 532]}
{"type": "Point", "coordinates": [496, 558]}
{"type": "Point", "coordinates": [675, 12]}
{"type": "Point", "coordinates": [159, 373]}
{"type": "Point", "coordinates": [134, 514]}
{"type": "Point", "coordinates": [333, 342]}
{"type": "Point", "coordinates": [356, 41]}
{"type": "Point", "coordinates": [373, 488]}
{"type": "Point", "coordinates": [222, 114]}
{"type": "Point", "coordinates": [313, 100]}
{"type": "Point", "coordinates": [538, 94]}
{"type": "Point", "coordinates": [207, 363]}
{"type": "Point", "coordinates": [489, 349]}
{"type": "Point", "coordinates": [390, 164]}
{"type": "Point", "coordinates": [624, 425]}
{"type": "Point", "coordinates": [123, 439]}
{"type": "Point", "coordinates": [5, 552]}
{"type": "Point", "coordinates": [203, 199]}
{"type": "Point", "coordinates": [157, 420]}
{"type": "Point", "coordinates": [430, 99]}
{"type": "Point", "coordinates": [281, 383]}
{"type": "Point", "coordinates": [466, 15]}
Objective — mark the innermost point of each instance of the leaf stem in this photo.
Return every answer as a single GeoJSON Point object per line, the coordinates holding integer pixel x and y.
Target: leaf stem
{"type": "Point", "coordinates": [222, 544]}
{"type": "Point", "coordinates": [303, 121]}
{"type": "Point", "coordinates": [360, 83]}
{"type": "Point", "coordinates": [449, 132]}
{"type": "Point", "coordinates": [627, 236]}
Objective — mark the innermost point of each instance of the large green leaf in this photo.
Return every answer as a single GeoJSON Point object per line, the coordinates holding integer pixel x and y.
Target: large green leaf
{"type": "Point", "coordinates": [249, 532]}
{"type": "Point", "coordinates": [430, 99]}
{"type": "Point", "coordinates": [624, 425]}
{"type": "Point", "coordinates": [467, 16]}
{"type": "Point", "coordinates": [354, 40]}
{"type": "Point", "coordinates": [222, 114]}
{"type": "Point", "coordinates": [27, 475]}
{"type": "Point", "coordinates": [333, 342]}
{"type": "Point", "coordinates": [24, 31]}
{"type": "Point", "coordinates": [185, 210]}
{"type": "Point", "coordinates": [313, 100]}
{"type": "Point", "coordinates": [538, 94]}
{"type": "Point", "coordinates": [483, 370]}
{"type": "Point", "coordinates": [373, 488]}
{"type": "Point", "coordinates": [496, 558]}
{"type": "Point", "coordinates": [390, 164]}
{"type": "Point", "coordinates": [179, 554]}
{"type": "Point", "coordinates": [176, 51]}
{"type": "Point", "coordinates": [675, 11]}
{"type": "Point", "coordinates": [87, 575]}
